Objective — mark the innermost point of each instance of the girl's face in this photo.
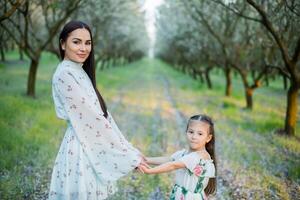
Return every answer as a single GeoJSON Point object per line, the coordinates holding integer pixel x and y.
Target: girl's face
{"type": "Point", "coordinates": [198, 135]}
{"type": "Point", "coordinates": [78, 45]}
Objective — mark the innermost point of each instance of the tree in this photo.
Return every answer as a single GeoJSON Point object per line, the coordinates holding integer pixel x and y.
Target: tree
{"type": "Point", "coordinates": [39, 24]}
{"type": "Point", "coordinates": [281, 19]}
{"type": "Point", "coordinates": [7, 12]}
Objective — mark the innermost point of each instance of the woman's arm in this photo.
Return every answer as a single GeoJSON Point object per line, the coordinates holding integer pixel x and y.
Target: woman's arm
{"type": "Point", "coordinates": [167, 167]}
{"type": "Point", "coordinates": [102, 145]}
{"type": "Point", "coordinates": [157, 160]}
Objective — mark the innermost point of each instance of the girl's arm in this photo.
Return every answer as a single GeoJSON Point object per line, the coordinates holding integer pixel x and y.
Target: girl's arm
{"type": "Point", "coordinates": [167, 167]}
{"type": "Point", "coordinates": [157, 160]}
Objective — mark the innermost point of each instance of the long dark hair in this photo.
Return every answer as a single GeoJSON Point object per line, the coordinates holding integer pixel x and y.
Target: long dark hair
{"type": "Point", "coordinates": [89, 63]}
{"type": "Point", "coordinates": [210, 147]}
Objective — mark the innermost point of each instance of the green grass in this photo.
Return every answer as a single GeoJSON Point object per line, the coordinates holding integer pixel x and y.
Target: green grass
{"type": "Point", "coordinates": [138, 95]}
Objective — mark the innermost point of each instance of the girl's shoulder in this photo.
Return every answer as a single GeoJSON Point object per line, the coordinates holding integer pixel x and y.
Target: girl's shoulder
{"type": "Point", "coordinates": [196, 163]}
{"type": "Point", "coordinates": [178, 154]}
{"type": "Point", "coordinates": [204, 156]}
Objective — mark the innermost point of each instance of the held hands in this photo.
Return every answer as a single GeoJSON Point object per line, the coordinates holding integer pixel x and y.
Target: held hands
{"type": "Point", "coordinates": [143, 165]}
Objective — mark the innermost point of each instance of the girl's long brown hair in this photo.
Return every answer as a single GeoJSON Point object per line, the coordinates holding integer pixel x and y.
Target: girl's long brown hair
{"type": "Point", "coordinates": [210, 147]}
{"type": "Point", "coordinates": [89, 63]}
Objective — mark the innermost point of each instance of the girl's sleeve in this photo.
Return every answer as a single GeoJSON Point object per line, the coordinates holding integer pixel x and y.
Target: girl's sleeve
{"type": "Point", "coordinates": [210, 170]}
{"type": "Point", "coordinates": [177, 154]}
{"type": "Point", "coordinates": [198, 167]}
{"type": "Point", "coordinates": [108, 152]}
{"type": "Point", "coordinates": [190, 161]}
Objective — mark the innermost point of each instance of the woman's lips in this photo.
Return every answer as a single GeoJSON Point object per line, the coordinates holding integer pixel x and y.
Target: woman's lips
{"type": "Point", "coordinates": [81, 55]}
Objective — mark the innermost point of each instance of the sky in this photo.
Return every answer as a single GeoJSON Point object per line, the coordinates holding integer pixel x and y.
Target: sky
{"type": "Point", "coordinates": [150, 8]}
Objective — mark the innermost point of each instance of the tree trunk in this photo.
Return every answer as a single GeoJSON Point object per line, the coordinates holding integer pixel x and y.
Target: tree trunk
{"type": "Point", "coordinates": [285, 82]}
{"type": "Point", "coordinates": [2, 54]}
{"type": "Point", "coordinates": [249, 97]}
{"type": "Point", "coordinates": [201, 77]}
{"type": "Point", "coordinates": [253, 73]}
{"type": "Point", "coordinates": [228, 90]}
{"type": "Point", "coordinates": [248, 90]}
{"type": "Point", "coordinates": [194, 75]}
{"type": "Point", "coordinates": [267, 80]}
{"type": "Point", "coordinates": [32, 77]}
{"type": "Point", "coordinates": [291, 111]}
{"type": "Point", "coordinates": [207, 78]}
{"type": "Point", "coordinates": [21, 55]}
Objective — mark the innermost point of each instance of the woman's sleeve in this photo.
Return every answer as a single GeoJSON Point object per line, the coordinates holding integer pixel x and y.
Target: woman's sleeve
{"type": "Point", "coordinates": [106, 150]}
{"type": "Point", "coordinates": [117, 130]}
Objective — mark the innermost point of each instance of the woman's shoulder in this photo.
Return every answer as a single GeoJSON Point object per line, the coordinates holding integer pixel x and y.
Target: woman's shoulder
{"type": "Point", "coordinates": [63, 69]}
{"type": "Point", "coordinates": [60, 73]}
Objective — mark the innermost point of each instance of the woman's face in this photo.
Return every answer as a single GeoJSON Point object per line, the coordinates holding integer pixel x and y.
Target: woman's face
{"type": "Point", "coordinates": [78, 45]}
{"type": "Point", "coordinates": [198, 135]}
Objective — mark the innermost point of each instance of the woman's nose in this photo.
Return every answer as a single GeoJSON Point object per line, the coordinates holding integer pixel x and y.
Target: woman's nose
{"type": "Point", "coordinates": [82, 47]}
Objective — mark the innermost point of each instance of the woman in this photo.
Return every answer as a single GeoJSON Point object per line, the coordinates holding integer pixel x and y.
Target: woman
{"type": "Point", "coordinates": [94, 153]}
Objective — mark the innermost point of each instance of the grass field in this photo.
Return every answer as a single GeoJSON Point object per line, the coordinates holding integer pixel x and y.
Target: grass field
{"type": "Point", "coordinates": [151, 102]}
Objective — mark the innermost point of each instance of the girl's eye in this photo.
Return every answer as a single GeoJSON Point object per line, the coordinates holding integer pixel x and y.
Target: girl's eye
{"type": "Point", "coordinates": [199, 133]}
{"type": "Point", "coordinates": [76, 42]}
{"type": "Point", "coordinates": [191, 132]}
{"type": "Point", "coordinates": [88, 43]}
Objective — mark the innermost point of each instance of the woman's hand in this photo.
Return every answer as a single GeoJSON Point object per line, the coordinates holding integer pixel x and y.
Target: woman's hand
{"type": "Point", "coordinates": [142, 163]}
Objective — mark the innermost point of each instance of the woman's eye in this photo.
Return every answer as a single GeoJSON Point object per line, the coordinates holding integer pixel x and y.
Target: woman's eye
{"type": "Point", "coordinates": [76, 42]}
{"type": "Point", "coordinates": [88, 43]}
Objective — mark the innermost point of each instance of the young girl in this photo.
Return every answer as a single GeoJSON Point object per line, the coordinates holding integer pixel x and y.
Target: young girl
{"type": "Point", "coordinates": [195, 167]}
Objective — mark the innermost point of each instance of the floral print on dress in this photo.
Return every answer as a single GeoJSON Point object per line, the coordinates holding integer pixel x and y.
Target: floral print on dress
{"type": "Point", "coordinates": [91, 156]}
{"type": "Point", "coordinates": [198, 170]}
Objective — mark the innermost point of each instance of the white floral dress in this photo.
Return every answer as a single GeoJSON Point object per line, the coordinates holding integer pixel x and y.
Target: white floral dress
{"type": "Point", "coordinates": [191, 181]}
{"type": "Point", "coordinates": [93, 153]}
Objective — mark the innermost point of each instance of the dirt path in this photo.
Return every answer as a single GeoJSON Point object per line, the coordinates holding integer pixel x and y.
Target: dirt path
{"type": "Point", "coordinates": [165, 115]}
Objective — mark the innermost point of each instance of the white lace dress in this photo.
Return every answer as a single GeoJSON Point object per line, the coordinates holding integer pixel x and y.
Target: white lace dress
{"type": "Point", "coordinates": [93, 153]}
{"type": "Point", "coordinates": [191, 181]}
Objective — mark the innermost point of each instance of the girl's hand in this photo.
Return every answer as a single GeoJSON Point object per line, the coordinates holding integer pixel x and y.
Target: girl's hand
{"type": "Point", "coordinates": [145, 169]}
{"type": "Point", "coordinates": [139, 168]}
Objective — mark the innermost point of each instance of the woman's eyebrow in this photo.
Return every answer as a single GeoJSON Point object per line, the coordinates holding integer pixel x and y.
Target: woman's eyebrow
{"type": "Point", "coordinates": [81, 39]}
